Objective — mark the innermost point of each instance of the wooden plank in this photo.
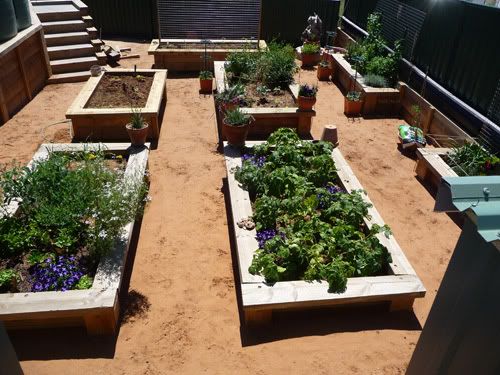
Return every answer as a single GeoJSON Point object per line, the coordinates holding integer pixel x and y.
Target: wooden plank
{"type": "Point", "coordinates": [299, 294]}
{"type": "Point", "coordinates": [23, 73]}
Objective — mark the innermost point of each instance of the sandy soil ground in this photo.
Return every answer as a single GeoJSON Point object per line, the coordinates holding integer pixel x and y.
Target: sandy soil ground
{"type": "Point", "coordinates": [181, 314]}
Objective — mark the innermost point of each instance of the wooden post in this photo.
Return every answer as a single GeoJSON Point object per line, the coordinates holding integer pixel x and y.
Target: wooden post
{"type": "Point", "coordinates": [3, 106]}
{"type": "Point", "coordinates": [104, 322]}
{"type": "Point", "coordinates": [23, 73]}
{"type": "Point", "coordinates": [428, 120]}
{"type": "Point", "coordinates": [402, 304]}
{"type": "Point", "coordinates": [304, 125]}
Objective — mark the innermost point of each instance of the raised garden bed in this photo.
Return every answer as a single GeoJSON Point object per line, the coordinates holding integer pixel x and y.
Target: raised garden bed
{"type": "Point", "coordinates": [376, 100]}
{"type": "Point", "coordinates": [398, 285]}
{"type": "Point", "coordinates": [104, 105]}
{"type": "Point", "coordinates": [185, 55]}
{"type": "Point", "coordinates": [96, 308]}
{"type": "Point", "coordinates": [269, 119]}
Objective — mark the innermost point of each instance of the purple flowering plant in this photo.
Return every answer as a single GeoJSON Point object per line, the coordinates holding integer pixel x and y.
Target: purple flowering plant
{"type": "Point", "coordinates": [59, 274]}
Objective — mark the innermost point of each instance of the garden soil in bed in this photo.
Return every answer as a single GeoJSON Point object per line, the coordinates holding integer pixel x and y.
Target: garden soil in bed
{"type": "Point", "coordinates": [281, 99]}
{"type": "Point", "coordinates": [209, 46]}
{"type": "Point", "coordinates": [121, 91]}
{"type": "Point", "coordinates": [182, 305]}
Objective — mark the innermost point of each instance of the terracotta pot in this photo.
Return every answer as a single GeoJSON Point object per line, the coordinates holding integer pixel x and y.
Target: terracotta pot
{"type": "Point", "coordinates": [306, 103]}
{"type": "Point", "coordinates": [206, 85]}
{"type": "Point", "coordinates": [310, 59]}
{"type": "Point", "coordinates": [137, 136]}
{"type": "Point", "coordinates": [324, 73]}
{"type": "Point", "coordinates": [235, 135]}
{"type": "Point", "coordinates": [352, 108]}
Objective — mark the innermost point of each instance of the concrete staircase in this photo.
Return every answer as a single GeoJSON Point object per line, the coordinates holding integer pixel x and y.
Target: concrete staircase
{"type": "Point", "coordinates": [72, 41]}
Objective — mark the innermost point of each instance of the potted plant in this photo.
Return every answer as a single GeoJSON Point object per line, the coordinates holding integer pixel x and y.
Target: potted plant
{"type": "Point", "coordinates": [353, 103]}
{"type": "Point", "coordinates": [206, 81]}
{"type": "Point", "coordinates": [137, 128]}
{"type": "Point", "coordinates": [324, 70]}
{"type": "Point", "coordinates": [307, 97]}
{"type": "Point", "coordinates": [310, 53]}
{"type": "Point", "coordinates": [235, 126]}
{"type": "Point", "coordinates": [230, 98]}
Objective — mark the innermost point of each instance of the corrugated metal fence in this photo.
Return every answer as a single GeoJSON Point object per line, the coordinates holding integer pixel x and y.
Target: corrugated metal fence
{"type": "Point", "coordinates": [281, 19]}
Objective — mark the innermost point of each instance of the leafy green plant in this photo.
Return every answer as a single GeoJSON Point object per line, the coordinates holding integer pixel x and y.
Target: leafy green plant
{"type": "Point", "coordinates": [307, 226]}
{"type": "Point", "coordinates": [417, 115]}
{"type": "Point", "coordinates": [473, 160]}
{"type": "Point", "coordinates": [353, 96]}
{"type": "Point", "coordinates": [309, 91]}
{"type": "Point", "coordinates": [206, 74]}
{"type": "Point", "coordinates": [310, 48]}
{"type": "Point", "coordinates": [236, 117]}
{"type": "Point", "coordinates": [232, 94]}
{"type": "Point", "coordinates": [7, 276]}
{"type": "Point", "coordinates": [85, 282]}
{"type": "Point", "coordinates": [242, 64]}
{"type": "Point", "coordinates": [375, 80]}
{"type": "Point", "coordinates": [136, 120]}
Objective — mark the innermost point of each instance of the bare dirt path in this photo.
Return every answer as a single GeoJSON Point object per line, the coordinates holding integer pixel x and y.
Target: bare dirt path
{"type": "Point", "coordinates": [182, 315]}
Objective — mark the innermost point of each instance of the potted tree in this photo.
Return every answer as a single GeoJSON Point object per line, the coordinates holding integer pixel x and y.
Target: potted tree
{"type": "Point", "coordinates": [230, 98]}
{"type": "Point", "coordinates": [324, 70]}
{"type": "Point", "coordinates": [235, 126]}
{"type": "Point", "coordinates": [307, 97]}
{"type": "Point", "coordinates": [137, 128]}
{"type": "Point", "coordinates": [206, 81]}
{"type": "Point", "coordinates": [310, 53]}
{"type": "Point", "coordinates": [353, 103]}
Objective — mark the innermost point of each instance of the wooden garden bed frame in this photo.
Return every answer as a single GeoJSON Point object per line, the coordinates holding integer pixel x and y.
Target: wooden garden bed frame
{"type": "Point", "coordinates": [96, 308]}
{"type": "Point", "coordinates": [108, 124]}
{"type": "Point", "coordinates": [431, 167]}
{"type": "Point", "coordinates": [376, 100]}
{"type": "Point", "coordinates": [268, 120]}
{"type": "Point", "coordinates": [259, 299]}
{"type": "Point", "coordinates": [190, 59]}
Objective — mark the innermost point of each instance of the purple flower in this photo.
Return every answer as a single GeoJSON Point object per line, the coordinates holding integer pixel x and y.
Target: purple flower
{"type": "Point", "coordinates": [258, 161]}
{"type": "Point", "coordinates": [62, 274]}
{"type": "Point", "coordinates": [267, 234]}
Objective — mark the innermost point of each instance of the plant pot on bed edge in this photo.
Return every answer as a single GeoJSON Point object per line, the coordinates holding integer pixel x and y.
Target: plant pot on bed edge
{"type": "Point", "coordinates": [307, 97]}
{"type": "Point", "coordinates": [206, 82]}
{"type": "Point", "coordinates": [353, 103]}
{"type": "Point", "coordinates": [235, 126]}
{"type": "Point", "coordinates": [137, 129]}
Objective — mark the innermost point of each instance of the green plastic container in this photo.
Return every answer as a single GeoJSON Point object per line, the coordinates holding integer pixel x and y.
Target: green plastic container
{"type": "Point", "coordinates": [23, 16]}
{"type": "Point", "coordinates": [8, 23]}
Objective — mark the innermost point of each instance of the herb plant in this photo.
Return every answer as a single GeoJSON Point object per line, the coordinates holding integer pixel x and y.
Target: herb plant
{"type": "Point", "coordinates": [137, 120]}
{"type": "Point", "coordinates": [206, 74]}
{"type": "Point", "coordinates": [7, 276]}
{"type": "Point", "coordinates": [236, 117]}
{"type": "Point", "coordinates": [310, 48]}
{"type": "Point", "coordinates": [375, 80]}
{"type": "Point", "coordinates": [233, 94]}
{"type": "Point", "coordinates": [353, 96]}
{"type": "Point", "coordinates": [307, 226]}
{"type": "Point", "coordinates": [308, 91]}
{"type": "Point", "coordinates": [473, 160]}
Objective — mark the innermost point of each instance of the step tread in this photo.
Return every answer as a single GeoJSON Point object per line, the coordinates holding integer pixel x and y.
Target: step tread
{"type": "Point", "coordinates": [73, 60]}
{"type": "Point", "coordinates": [67, 22]}
{"type": "Point", "coordinates": [65, 47]}
{"type": "Point", "coordinates": [64, 35]}
{"type": "Point", "coordinates": [70, 77]}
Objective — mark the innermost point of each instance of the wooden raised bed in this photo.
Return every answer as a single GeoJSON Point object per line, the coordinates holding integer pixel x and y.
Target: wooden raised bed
{"type": "Point", "coordinates": [96, 308]}
{"type": "Point", "coordinates": [108, 124]}
{"type": "Point", "coordinates": [431, 167]}
{"type": "Point", "coordinates": [187, 54]}
{"type": "Point", "coordinates": [259, 299]}
{"type": "Point", "coordinates": [376, 100]}
{"type": "Point", "coordinates": [267, 120]}
{"type": "Point", "coordinates": [25, 68]}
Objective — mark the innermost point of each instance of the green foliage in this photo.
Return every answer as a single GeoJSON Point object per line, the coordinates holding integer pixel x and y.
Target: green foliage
{"type": "Point", "coordinates": [417, 115]}
{"type": "Point", "coordinates": [473, 160]}
{"type": "Point", "coordinates": [136, 119]}
{"type": "Point", "coordinates": [231, 95]}
{"type": "Point", "coordinates": [236, 117]}
{"type": "Point", "coordinates": [370, 56]}
{"type": "Point", "coordinates": [7, 276]}
{"type": "Point", "coordinates": [206, 74]}
{"type": "Point", "coordinates": [85, 282]}
{"type": "Point", "coordinates": [310, 48]}
{"type": "Point", "coordinates": [375, 80]}
{"type": "Point", "coordinates": [319, 232]}
{"type": "Point", "coordinates": [36, 257]}
{"type": "Point", "coordinates": [68, 201]}
{"type": "Point", "coordinates": [353, 96]}
{"type": "Point", "coordinates": [273, 68]}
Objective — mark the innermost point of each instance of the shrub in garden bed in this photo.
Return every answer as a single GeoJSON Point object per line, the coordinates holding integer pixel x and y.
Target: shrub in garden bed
{"type": "Point", "coordinates": [265, 75]}
{"type": "Point", "coordinates": [72, 208]}
{"type": "Point", "coordinates": [308, 227]}
{"type": "Point", "coordinates": [370, 56]}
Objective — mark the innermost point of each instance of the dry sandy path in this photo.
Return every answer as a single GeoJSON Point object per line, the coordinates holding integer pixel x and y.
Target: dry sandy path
{"type": "Point", "coordinates": [182, 314]}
